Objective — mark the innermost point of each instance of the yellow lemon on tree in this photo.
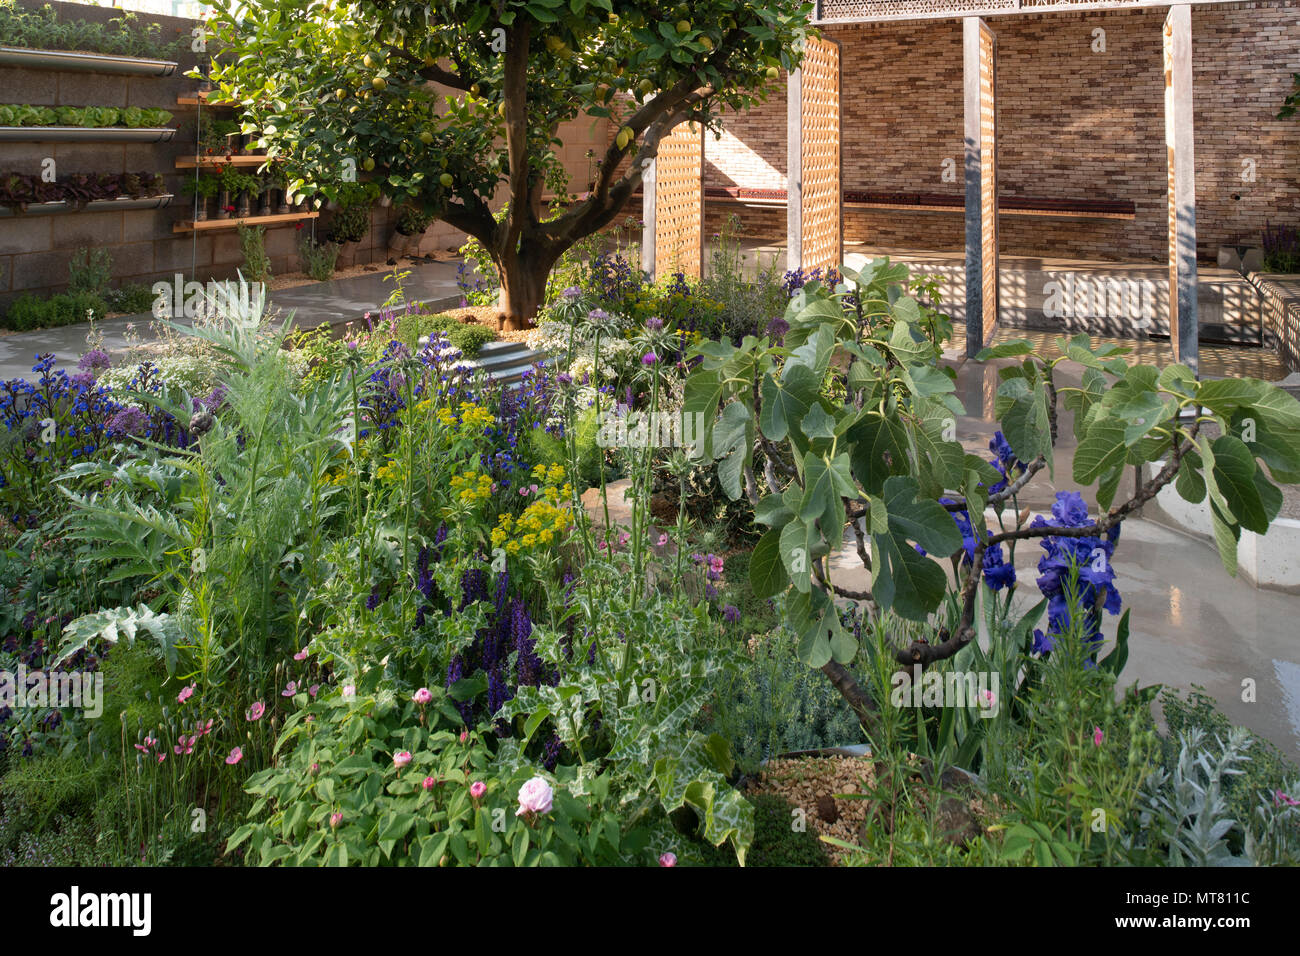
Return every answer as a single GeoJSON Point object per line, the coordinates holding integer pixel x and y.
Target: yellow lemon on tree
{"type": "Point", "coordinates": [379, 83]}
{"type": "Point", "coordinates": [446, 179]}
{"type": "Point", "coordinates": [340, 92]}
{"type": "Point", "coordinates": [501, 108]}
{"type": "Point", "coordinates": [475, 89]}
{"type": "Point", "coordinates": [624, 137]}
{"type": "Point", "coordinates": [369, 61]}
{"type": "Point", "coordinates": [706, 43]}
{"type": "Point", "coordinates": [683, 26]}
{"type": "Point", "coordinates": [773, 73]}
{"type": "Point", "coordinates": [645, 86]}
{"type": "Point", "coordinates": [426, 137]}
{"type": "Point", "coordinates": [368, 165]}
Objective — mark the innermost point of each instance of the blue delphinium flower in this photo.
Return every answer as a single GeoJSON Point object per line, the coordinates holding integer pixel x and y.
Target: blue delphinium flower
{"type": "Point", "coordinates": [1087, 558]}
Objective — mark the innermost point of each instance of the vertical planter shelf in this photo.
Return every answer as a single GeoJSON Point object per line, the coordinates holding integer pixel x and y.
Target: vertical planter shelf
{"type": "Point", "coordinates": [84, 62]}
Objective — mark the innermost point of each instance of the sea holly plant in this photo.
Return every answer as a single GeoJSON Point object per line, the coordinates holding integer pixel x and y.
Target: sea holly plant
{"type": "Point", "coordinates": [449, 106]}
{"type": "Point", "coordinates": [880, 464]}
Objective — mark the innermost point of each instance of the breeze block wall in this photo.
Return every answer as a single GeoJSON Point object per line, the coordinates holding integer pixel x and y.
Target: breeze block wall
{"type": "Point", "coordinates": [1073, 124]}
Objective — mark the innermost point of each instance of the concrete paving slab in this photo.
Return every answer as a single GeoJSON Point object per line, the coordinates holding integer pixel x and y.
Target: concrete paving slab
{"type": "Point", "coordinates": [336, 302]}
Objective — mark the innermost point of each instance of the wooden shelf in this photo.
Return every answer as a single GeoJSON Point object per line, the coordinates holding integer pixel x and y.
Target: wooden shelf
{"type": "Point", "coordinates": [203, 99]}
{"type": "Point", "coordinates": [207, 162]}
{"type": "Point", "coordinates": [189, 225]}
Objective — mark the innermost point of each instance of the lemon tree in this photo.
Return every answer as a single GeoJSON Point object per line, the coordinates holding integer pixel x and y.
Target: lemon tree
{"type": "Point", "coordinates": [455, 106]}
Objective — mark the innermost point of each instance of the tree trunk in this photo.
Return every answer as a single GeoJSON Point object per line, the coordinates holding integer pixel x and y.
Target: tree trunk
{"type": "Point", "coordinates": [523, 287]}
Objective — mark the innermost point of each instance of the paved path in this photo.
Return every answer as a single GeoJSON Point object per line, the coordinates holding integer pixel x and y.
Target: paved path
{"type": "Point", "coordinates": [336, 302]}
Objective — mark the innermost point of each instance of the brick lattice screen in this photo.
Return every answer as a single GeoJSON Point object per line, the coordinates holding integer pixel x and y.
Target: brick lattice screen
{"type": "Point", "coordinates": [679, 201]}
{"type": "Point", "coordinates": [822, 217]}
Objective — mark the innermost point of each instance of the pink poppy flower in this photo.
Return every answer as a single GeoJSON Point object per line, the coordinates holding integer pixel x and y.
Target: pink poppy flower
{"type": "Point", "coordinates": [1097, 736]}
{"type": "Point", "coordinates": [313, 689]}
{"type": "Point", "coordinates": [1280, 798]}
{"type": "Point", "coordinates": [236, 755]}
{"type": "Point", "coordinates": [663, 540]}
{"type": "Point", "coordinates": [301, 655]}
{"type": "Point", "coordinates": [255, 712]}
{"type": "Point", "coordinates": [185, 694]}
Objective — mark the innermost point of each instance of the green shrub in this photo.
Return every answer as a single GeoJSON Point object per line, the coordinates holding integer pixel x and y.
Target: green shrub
{"type": "Point", "coordinates": [31, 312]}
{"type": "Point", "coordinates": [468, 337]}
{"type": "Point", "coordinates": [89, 270]}
{"type": "Point", "coordinates": [773, 703]}
{"type": "Point", "coordinates": [1267, 770]}
{"type": "Point", "coordinates": [318, 258]}
{"type": "Point", "coordinates": [252, 245]}
{"type": "Point", "coordinates": [776, 843]}
{"type": "Point", "coordinates": [131, 299]}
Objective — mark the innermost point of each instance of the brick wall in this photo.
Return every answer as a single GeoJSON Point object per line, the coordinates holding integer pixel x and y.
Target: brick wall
{"type": "Point", "coordinates": [1073, 124]}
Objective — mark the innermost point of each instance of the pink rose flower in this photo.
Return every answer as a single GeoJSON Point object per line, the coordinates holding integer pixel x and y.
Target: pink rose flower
{"type": "Point", "coordinates": [428, 783]}
{"type": "Point", "coordinates": [464, 736]}
{"type": "Point", "coordinates": [988, 699]}
{"type": "Point", "coordinates": [535, 797]}
{"type": "Point", "coordinates": [349, 690]}
{"type": "Point", "coordinates": [423, 696]}
{"type": "Point", "coordinates": [668, 859]}
{"type": "Point", "coordinates": [401, 759]}
{"type": "Point", "coordinates": [335, 820]}
{"type": "Point", "coordinates": [477, 789]}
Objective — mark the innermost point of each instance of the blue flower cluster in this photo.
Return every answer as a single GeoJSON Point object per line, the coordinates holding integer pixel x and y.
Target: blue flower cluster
{"type": "Point", "coordinates": [1088, 556]}
{"type": "Point", "coordinates": [59, 419]}
{"type": "Point", "coordinates": [504, 649]}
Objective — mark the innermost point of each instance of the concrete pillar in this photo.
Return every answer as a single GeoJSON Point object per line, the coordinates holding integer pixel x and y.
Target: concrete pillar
{"type": "Point", "coordinates": [1184, 325]}
{"type": "Point", "coordinates": [648, 219]}
{"type": "Point", "coordinates": [979, 80]}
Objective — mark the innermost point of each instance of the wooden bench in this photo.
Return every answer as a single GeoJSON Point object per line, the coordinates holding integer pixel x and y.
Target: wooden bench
{"type": "Point", "coordinates": [940, 202]}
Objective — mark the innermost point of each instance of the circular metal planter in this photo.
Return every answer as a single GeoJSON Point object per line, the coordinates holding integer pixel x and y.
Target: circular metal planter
{"type": "Point", "coordinates": [84, 62]}
{"type": "Point", "coordinates": [80, 134]}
